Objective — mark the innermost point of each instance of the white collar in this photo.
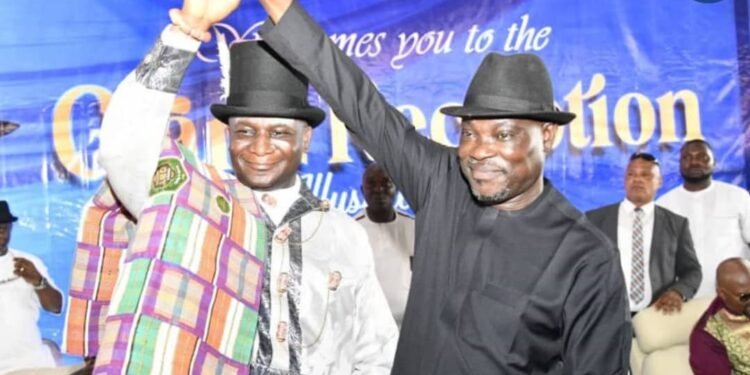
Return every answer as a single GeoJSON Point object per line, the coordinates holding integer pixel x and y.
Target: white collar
{"type": "Point", "coordinates": [629, 207]}
{"type": "Point", "coordinates": [276, 203]}
{"type": "Point", "coordinates": [698, 193]}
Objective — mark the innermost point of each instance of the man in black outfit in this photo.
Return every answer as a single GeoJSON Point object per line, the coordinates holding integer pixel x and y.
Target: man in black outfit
{"type": "Point", "coordinates": [509, 278]}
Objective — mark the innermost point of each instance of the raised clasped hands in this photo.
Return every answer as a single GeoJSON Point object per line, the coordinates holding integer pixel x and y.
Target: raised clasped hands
{"type": "Point", "coordinates": [197, 16]}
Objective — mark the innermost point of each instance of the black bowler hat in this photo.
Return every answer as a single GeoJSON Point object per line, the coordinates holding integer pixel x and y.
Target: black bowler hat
{"type": "Point", "coordinates": [5, 215]}
{"type": "Point", "coordinates": [263, 85]}
{"type": "Point", "coordinates": [515, 86]}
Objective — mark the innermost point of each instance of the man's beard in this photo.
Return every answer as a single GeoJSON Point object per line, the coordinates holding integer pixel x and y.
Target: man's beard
{"type": "Point", "coordinates": [697, 179]}
{"type": "Point", "coordinates": [497, 198]}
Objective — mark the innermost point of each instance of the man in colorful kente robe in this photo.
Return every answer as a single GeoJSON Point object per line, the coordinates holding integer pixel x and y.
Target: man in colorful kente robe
{"type": "Point", "coordinates": [320, 308]}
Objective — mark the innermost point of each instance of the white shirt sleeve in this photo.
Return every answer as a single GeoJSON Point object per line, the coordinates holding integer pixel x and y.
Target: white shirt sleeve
{"type": "Point", "coordinates": [133, 129]}
{"type": "Point", "coordinates": [377, 333]}
{"type": "Point", "coordinates": [743, 202]}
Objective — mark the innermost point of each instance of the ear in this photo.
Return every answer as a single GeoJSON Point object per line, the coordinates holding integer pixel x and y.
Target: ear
{"type": "Point", "coordinates": [549, 131]}
{"type": "Point", "coordinates": [660, 178]}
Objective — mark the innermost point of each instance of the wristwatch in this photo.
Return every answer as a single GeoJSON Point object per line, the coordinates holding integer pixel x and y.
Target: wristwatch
{"type": "Point", "coordinates": [42, 284]}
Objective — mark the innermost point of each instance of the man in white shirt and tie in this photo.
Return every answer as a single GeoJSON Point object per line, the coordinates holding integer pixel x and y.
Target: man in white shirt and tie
{"type": "Point", "coordinates": [656, 249]}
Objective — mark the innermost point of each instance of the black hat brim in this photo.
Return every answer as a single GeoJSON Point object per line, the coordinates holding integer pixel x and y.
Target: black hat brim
{"type": "Point", "coordinates": [560, 118]}
{"type": "Point", "coordinates": [6, 220]}
{"type": "Point", "coordinates": [312, 115]}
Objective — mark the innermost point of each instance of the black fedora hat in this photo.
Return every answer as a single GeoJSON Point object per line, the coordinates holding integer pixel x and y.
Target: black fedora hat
{"type": "Point", "coordinates": [515, 86]}
{"type": "Point", "coordinates": [5, 215]}
{"type": "Point", "coordinates": [263, 85]}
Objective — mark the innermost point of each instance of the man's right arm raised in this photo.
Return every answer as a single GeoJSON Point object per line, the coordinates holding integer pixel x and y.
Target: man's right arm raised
{"type": "Point", "coordinates": [138, 113]}
{"type": "Point", "coordinates": [136, 118]}
{"type": "Point", "coordinates": [410, 159]}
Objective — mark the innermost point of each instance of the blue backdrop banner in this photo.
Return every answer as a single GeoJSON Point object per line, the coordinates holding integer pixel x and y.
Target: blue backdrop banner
{"type": "Point", "coordinates": [640, 76]}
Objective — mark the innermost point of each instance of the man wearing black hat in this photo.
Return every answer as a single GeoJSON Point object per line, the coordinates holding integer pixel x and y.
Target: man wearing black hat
{"type": "Point", "coordinates": [509, 278]}
{"type": "Point", "coordinates": [24, 287]}
{"type": "Point", "coordinates": [320, 307]}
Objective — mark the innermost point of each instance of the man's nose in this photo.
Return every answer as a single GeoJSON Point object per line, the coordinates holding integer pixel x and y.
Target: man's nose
{"type": "Point", "coordinates": [482, 150]}
{"type": "Point", "coordinates": [261, 145]}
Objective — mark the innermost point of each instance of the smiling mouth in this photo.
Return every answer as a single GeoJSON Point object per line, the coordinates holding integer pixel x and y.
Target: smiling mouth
{"type": "Point", "coordinates": [485, 173]}
{"type": "Point", "coordinates": [260, 167]}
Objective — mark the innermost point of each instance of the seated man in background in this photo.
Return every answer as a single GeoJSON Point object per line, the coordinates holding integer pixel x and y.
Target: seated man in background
{"type": "Point", "coordinates": [720, 341]}
{"type": "Point", "coordinates": [656, 249]}
{"type": "Point", "coordinates": [391, 235]}
{"type": "Point", "coordinates": [25, 286]}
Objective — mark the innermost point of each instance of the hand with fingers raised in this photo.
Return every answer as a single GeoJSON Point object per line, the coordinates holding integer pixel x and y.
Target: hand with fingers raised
{"type": "Point", "coordinates": [197, 16]}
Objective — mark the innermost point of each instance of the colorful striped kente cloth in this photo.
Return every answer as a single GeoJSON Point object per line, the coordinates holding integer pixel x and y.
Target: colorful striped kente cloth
{"type": "Point", "coordinates": [187, 296]}
{"type": "Point", "coordinates": [103, 234]}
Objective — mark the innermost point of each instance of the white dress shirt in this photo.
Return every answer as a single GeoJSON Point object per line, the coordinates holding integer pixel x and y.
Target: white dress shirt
{"type": "Point", "coordinates": [276, 203]}
{"type": "Point", "coordinates": [625, 218]}
{"type": "Point", "coordinates": [719, 219]}
{"type": "Point", "coordinates": [21, 344]}
{"type": "Point", "coordinates": [393, 246]}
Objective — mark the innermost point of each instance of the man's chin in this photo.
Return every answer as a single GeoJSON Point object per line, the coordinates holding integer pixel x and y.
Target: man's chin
{"type": "Point", "coordinates": [695, 179]}
{"type": "Point", "coordinates": [259, 184]}
{"type": "Point", "coordinates": [491, 198]}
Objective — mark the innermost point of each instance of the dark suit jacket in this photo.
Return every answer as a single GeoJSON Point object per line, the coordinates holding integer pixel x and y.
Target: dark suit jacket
{"type": "Point", "coordinates": [673, 263]}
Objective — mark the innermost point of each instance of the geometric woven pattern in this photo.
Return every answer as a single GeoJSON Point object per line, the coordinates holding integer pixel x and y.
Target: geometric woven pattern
{"type": "Point", "coordinates": [240, 275]}
{"type": "Point", "coordinates": [103, 235]}
{"type": "Point", "coordinates": [189, 288]}
{"type": "Point", "coordinates": [177, 295]}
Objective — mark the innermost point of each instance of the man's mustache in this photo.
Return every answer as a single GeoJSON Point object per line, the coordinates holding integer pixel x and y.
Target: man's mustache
{"type": "Point", "coordinates": [487, 166]}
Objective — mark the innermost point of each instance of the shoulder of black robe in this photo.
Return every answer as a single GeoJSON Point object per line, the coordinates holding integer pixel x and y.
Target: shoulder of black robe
{"type": "Point", "coordinates": [597, 331]}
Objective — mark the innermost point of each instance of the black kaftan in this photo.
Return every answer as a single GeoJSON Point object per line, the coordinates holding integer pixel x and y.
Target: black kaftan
{"type": "Point", "coordinates": [533, 291]}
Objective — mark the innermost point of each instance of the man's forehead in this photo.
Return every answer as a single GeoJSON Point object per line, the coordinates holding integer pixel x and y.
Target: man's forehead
{"type": "Point", "coordinates": [501, 122]}
{"type": "Point", "coordinates": [643, 164]}
{"type": "Point", "coordinates": [267, 121]}
{"type": "Point", "coordinates": [373, 169]}
{"type": "Point", "coordinates": [376, 176]}
{"type": "Point", "coordinates": [696, 147]}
